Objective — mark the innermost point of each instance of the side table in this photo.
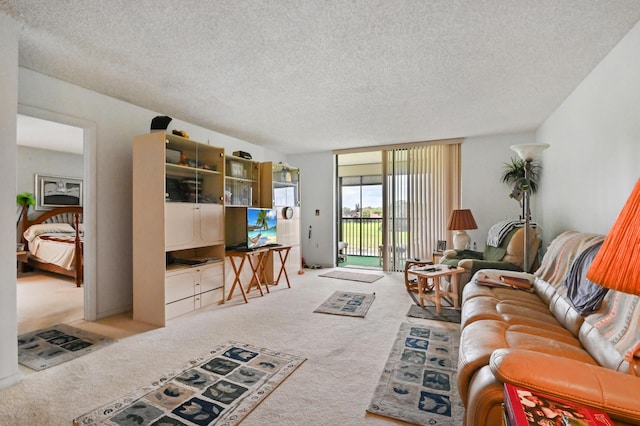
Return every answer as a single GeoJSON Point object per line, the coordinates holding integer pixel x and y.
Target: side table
{"type": "Point", "coordinates": [438, 292]}
{"type": "Point", "coordinates": [412, 285]}
{"type": "Point", "coordinates": [21, 258]}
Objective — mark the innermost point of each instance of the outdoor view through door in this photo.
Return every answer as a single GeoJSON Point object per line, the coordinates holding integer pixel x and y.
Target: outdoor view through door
{"type": "Point", "coordinates": [393, 204]}
{"type": "Point", "coordinates": [361, 202]}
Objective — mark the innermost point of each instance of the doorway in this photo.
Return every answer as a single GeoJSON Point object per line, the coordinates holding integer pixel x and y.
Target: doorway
{"type": "Point", "coordinates": [360, 217]}
{"type": "Point", "coordinates": [59, 145]}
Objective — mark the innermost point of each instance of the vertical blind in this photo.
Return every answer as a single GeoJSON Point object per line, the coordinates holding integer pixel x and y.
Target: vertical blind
{"type": "Point", "coordinates": [422, 186]}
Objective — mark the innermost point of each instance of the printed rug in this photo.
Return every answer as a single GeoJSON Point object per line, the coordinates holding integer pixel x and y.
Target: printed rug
{"type": "Point", "coordinates": [418, 382]}
{"type": "Point", "coordinates": [352, 276]}
{"type": "Point", "coordinates": [346, 303]}
{"type": "Point", "coordinates": [220, 387]}
{"type": "Point", "coordinates": [447, 314]}
{"type": "Point", "coordinates": [51, 346]}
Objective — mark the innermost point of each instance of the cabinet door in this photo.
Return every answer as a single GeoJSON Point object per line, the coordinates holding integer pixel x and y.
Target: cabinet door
{"type": "Point", "coordinates": [179, 225]}
{"type": "Point", "coordinates": [211, 277]}
{"type": "Point", "coordinates": [211, 223]}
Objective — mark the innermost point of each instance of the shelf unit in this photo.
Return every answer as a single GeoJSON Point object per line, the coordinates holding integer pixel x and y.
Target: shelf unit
{"type": "Point", "coordinates": [279, 189]}
{"type": "Point", "coordinates": [242, 182]}
{"type": "Point", "coordinates": [178, 226]}
{"type": "Point", "coordinates": [279, 185]}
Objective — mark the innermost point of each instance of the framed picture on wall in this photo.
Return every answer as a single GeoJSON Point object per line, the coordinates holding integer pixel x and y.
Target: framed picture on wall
{"type": "Point", "coordinates": [57, 191]}
{"type": "Point", "coordinates": [441, 246]}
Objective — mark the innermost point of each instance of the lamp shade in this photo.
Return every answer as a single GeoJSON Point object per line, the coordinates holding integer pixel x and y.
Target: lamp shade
{"type": "Point", "coordinates": [617, 264]}
{"type": "Point", "coordinates": [529, 151]}
{"type": "Point", "coordinates": [461, 220]}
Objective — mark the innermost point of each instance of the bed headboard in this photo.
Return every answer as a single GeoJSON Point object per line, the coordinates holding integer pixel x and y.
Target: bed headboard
{"type": "Point", "coordinates": [58, 215]}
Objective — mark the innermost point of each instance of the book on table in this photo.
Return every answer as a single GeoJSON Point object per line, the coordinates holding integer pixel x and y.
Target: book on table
{"type": "Point", "coordinates": [524, 407]}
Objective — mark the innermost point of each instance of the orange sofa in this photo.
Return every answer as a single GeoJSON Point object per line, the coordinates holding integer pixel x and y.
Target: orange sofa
{"type": "Point", "coordinates": [537, 340]}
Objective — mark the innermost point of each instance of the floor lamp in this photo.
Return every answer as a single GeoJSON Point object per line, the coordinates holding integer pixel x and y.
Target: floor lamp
{"type": "Point", "coordinates": [528, 153]}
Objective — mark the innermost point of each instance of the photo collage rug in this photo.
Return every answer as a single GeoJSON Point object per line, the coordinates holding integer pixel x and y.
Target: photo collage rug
{"type": "Point", "coordinates": [221, 387]}
{"type": "Point", "coordinates": [347, 303]}
{"type": "Point", "coordinates": [418, 383]}
{"type": "Point", "coordinates": [54, 345]}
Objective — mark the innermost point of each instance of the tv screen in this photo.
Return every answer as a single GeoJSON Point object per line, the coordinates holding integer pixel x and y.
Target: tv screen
{"type": "Point", "coordinates": [261, 227]}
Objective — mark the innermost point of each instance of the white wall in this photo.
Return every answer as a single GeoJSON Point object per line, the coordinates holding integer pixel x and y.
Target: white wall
{"type": "Point", "coordinates": [31, 161]}
{"type": "Point", "coordinates": [317, 192]}
{"type": "Point", "coordinates": [483, 162]}
{"type": "Point", "coordinates": [594, 158]}
{"type": "Point", "coordinates": [8, 115]}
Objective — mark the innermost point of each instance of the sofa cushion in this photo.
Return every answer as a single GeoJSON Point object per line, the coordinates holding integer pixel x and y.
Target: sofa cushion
{"type": "Point", "coordinates": [481, 338]}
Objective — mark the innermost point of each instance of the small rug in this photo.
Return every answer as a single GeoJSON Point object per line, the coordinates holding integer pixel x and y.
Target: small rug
{"type": "Point", "coordinates": [352, 276]}
{"type": "Point", "coordinates": [220, 387]}
{"type": "Point", "coordinates": [51, 346]}
{"type": "Point", "coordinates": [429, 312]}
{"type": "Point", "coordinates": [418, 382]}
{"type": "Point", "coordinates": [345, 303]}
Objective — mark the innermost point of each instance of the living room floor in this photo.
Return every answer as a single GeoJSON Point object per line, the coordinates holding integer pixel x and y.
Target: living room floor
{"type": "Point", "coordinates": [345, 355]}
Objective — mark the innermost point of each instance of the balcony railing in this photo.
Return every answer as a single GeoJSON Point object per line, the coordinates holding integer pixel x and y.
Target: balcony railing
{"type": "Point", "coordinates": [364, 235]}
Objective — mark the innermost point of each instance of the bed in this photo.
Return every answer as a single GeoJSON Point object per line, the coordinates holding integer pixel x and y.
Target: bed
{"type": "Point", "coordinates": [54, 242]}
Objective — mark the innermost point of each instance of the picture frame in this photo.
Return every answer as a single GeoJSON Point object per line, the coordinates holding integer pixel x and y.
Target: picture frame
{"type": "Point", "coordinates": [237, 169]}
{"type": "Point", "coordinates": [57, 191]}
{"type": "Point", "coordinates": [442, 245]}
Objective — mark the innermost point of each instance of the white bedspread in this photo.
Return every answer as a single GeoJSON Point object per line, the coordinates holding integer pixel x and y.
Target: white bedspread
{"type": "Point", "coordinates": [61, 253]}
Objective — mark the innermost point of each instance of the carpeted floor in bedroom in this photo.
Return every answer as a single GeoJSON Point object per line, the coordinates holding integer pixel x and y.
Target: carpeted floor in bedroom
{"type": "Point", "coordinates": [345, 355]}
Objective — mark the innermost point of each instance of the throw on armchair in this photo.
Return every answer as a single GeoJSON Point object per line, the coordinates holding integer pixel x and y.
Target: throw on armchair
{"type": "Point", "coordinates": [508, 255]}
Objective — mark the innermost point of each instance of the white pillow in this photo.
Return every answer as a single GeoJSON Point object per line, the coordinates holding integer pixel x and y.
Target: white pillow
{"type": "Point", "coordinates": [34, 230]}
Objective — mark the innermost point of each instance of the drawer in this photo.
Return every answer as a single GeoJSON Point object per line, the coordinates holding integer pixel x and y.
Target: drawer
{"type": "Point", "coordinates": [211, 277]}
{"type": "Point", "coordinates": [179, 286]}
{"type": "Point", "coordinates": [212, 297]}
{"type": "Point", "coordinates": [179, 307]}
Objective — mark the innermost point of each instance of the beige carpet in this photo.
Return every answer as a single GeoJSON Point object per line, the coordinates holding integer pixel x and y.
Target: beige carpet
{"type": "Point", "coordinates": [333, 387]}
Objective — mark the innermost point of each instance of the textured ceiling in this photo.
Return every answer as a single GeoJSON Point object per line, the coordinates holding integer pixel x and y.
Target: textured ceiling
{"type": "Point", "coordinates": [312, 75]}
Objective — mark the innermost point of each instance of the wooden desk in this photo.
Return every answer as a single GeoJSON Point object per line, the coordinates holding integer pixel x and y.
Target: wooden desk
{"type": "Point", "coordinates": [255, 258]}
{"type": "Point", "coordinates": [424, 276]}
{"type": "Point", "coordinates": [412, 264]}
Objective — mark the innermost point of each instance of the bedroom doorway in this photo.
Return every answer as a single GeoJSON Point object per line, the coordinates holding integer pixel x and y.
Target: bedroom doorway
{"type": "Point", "coordinates": [52, 144]}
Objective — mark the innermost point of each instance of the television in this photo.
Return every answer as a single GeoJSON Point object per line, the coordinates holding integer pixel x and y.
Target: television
{"type": "Point", "coordinates": [261, 227]}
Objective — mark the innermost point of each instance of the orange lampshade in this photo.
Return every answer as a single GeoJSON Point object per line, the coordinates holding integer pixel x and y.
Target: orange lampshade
{"type": "Point", "coordinates": [617, 264]}
{"type": "Point", "coordinates": [461, 220]}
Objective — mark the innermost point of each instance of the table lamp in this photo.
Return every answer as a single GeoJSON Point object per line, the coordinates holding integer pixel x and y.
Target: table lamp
{"type": "Point", "coordinates": [460, 221]}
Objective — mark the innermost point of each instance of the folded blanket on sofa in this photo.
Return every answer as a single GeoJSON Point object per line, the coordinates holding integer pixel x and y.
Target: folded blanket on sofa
{"type": "Point", "coordinates": [501, 229]}
{"type": "Point", "coordinates": [585, 295]}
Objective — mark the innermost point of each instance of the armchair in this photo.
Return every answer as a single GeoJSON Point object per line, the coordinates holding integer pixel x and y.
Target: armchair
{"type": "Point", "coordinates": [509, 255]}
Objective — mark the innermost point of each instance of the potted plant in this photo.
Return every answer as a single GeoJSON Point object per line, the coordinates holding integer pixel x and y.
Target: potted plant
{"type": "Point", "coordinates": [23, 201]}
{"type": "Point", "coordinates": [514, 176]}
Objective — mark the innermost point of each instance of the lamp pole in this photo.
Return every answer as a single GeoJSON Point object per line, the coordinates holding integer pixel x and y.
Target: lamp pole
{"type": "Point", "coordinates": [527, 178]}
{"type": "Point", "coordinates": [527, 152]}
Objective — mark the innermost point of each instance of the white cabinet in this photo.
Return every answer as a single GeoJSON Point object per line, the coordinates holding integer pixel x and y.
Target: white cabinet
{"type": "Point", "coordinates": [193, 288]}
{"type": "Point", "coordinates": [190, 225]}
{"type": "Point", "coordinates": [178, 226]}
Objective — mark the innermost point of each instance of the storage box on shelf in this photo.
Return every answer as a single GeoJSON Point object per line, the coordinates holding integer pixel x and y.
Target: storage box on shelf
{"type": "Point", "coordinates": [242, 182]}
{"type": "Point", "coordinates": [178, 226]}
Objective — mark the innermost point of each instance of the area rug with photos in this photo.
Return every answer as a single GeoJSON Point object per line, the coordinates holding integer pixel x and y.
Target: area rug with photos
{"type": "Point", "coordinates": [347, 303]}
{"type": "Point", "coordinates": [352, 276]}
{"type": "Point", "coordinates": [418, 382]}
{"type": "Point", "coordinates": [51, 346]}
{"type": "Point", "coordinates": [219, 387]}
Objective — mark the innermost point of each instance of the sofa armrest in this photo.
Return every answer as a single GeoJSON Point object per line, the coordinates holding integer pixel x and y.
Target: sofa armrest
{"type": "Point", "coordinates": [591, 385]}
{"type": "Point", "coordinates": [474, 265]}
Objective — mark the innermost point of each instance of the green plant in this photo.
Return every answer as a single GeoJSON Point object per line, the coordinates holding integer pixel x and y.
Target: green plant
{"type": "Point", "coordinates": [514, 176]}
{"type": "Point", "coordinates": [24, 200]}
